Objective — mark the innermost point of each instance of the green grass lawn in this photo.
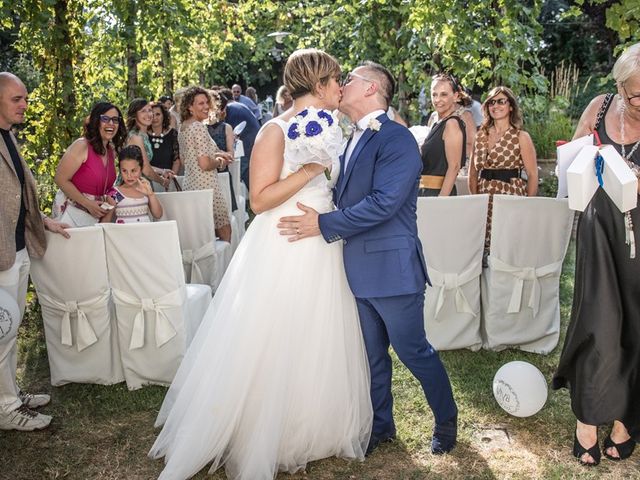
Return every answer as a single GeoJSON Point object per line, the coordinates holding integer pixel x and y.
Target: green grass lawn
{"type": "Point", "coordinates": [103, 432]}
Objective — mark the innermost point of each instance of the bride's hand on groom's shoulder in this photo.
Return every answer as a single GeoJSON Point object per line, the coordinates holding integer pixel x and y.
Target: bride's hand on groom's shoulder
{"type": "Point", "coordinates": [300, 226]}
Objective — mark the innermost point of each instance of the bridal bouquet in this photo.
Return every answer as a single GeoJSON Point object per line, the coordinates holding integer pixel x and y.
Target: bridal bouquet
{"type": "Point", "coordinates": [315, 136]}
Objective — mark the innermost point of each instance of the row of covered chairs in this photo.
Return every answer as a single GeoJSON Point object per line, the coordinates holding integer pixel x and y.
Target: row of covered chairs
{"type": "Point", "coordinates": [115, 304]}
{"type": "Point", "coordinates": [513, 301]}
{"type": "Point", "coordinates": [238, 217]}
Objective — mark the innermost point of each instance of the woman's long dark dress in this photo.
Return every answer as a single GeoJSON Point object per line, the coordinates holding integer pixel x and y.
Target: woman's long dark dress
{"type": "Point", "coordinates": [600, 361]}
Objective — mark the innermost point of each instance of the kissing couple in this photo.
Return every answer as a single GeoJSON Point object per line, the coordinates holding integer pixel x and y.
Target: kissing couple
{"type": "Point", "coordinates": [291, 362]}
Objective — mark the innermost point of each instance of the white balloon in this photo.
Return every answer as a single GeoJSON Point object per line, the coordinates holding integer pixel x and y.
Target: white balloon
{"type": "Point", "coordinates": [520, 388]}
{"type": "Point", "coordinates": [9, 314]}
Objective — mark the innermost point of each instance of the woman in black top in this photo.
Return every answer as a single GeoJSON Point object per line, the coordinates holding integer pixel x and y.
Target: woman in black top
{"type": "Point", "coordinates": [600, 361]}
{"type": "Point", "coordinates": [164, 140]}
{"type": "Point", "coordinates": [444, 149]}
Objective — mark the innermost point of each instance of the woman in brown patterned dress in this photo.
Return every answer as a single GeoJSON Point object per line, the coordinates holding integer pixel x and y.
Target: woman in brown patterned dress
{"type": "Point", "coordinates": [502, 150]}
{"type": "Point", "coordinates": [201, 157]}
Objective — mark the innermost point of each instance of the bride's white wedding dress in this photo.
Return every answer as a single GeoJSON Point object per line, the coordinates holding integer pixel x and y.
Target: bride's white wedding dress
{"type": "Point", "coordinates": [277, 374]}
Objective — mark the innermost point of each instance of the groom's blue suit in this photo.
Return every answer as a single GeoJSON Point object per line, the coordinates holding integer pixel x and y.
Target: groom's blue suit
{"type": "Point", "coordinates": [376, 219]}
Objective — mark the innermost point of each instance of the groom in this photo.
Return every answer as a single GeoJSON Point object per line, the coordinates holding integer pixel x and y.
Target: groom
{"type": "Point", "coordinates": [376, 219]}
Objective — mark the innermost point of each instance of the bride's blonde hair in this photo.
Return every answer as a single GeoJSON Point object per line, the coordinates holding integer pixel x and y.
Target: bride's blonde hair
{"type": "Point", "coordinates": [306, 68]}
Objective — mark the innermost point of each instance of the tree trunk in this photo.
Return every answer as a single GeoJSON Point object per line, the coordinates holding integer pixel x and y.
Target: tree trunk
{"type": "Point", "coordinates": [130, 47]}
{"type": "Point", "coordinates": [63, 55]}
{"type": "Point", "coordinates": [167, 67]}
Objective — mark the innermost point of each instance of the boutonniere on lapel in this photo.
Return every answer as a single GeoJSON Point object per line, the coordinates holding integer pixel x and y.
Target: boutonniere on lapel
{"type": "Point", "coordinates": [374, 124]}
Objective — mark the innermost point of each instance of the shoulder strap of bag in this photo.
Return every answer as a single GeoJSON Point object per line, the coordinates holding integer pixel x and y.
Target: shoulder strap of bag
{"type": "Point", "coordinates": [603, 109]}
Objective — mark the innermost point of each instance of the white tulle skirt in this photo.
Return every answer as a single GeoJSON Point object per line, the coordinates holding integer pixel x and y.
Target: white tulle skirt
{"type": "Point", "coordinates": [277, 374]}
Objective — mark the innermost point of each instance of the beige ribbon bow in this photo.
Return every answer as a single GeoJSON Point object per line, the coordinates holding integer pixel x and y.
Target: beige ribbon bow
{"type": "Point", "coordinates": [525, 273]}
{"type": "Point", "coordinates": [454, 281]}
{"type": "Point", "coordinates": [85, 335]}
{"type": "Point", "coordinates": [164, 329]}
{"type": "Point", "coordinates": [193, 258]}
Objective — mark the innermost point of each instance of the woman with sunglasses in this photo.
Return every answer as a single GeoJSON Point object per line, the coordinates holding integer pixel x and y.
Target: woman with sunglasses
{"type": "Point", "coordinates": [87, 171]}
{"type": "Point", "coordinates": [501, 152]}
{"type": "Point", "coordinates": [600, 361]}
{"type": "Point", "coordinates": [444, 149]}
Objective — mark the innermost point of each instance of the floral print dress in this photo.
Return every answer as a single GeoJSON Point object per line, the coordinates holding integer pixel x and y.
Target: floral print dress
{"type": "Point", "coordinates": [195, 141]}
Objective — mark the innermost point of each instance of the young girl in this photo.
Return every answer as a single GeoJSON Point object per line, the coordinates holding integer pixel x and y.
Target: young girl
{"type": "Point", "coordinates": [133, 199]}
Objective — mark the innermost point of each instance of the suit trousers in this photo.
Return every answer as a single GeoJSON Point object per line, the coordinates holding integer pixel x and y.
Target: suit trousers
{"type": "Point", "coordinates": [15, 281]}
{"type": "Point", "coordinates": [399, 321]}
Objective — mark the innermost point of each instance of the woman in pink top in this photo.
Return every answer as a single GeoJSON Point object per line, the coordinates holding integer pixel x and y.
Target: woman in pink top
{"type": "Point", "coordinates": [87, 171]}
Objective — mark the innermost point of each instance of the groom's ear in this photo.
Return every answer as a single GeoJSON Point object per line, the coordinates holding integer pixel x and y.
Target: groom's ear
{"type": "Point", "coordinates": [372, 89]}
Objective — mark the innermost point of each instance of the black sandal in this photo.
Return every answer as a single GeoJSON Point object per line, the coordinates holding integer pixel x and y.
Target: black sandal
{"type": "Point", "coordinates": [579, 451]}
{"type": "Point", "coordinates": [625, 449]}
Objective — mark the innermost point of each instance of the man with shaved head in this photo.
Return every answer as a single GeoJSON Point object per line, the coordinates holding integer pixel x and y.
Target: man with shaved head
{"type": "Point", "coordinates": [21, 236]}
{"type": "Point", "coordinates": [236, 90]}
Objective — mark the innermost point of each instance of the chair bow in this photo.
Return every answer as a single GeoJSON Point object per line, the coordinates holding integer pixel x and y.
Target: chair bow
{"type": "Point", "coordinates": [454, 281]}
{"type": "Point", "coordinates": [164, 329]}
{"type": "Point", "coordinates": [525, 273]}
{"type": "Point", "coordinates": [85, 336]}
{"type": "Point", "coordinates": [193, 258]}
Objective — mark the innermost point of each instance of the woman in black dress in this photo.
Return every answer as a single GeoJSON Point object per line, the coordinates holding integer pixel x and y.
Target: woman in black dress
{"type": "Point", "coordinates": [600, 361]}
{"type": "Point", "coordinates": [443, 151]}
{"type": "Point", "coordinates": [164, 140]}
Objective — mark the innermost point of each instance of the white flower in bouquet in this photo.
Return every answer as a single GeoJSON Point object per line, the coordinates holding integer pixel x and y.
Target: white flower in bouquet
{"type": "Point", "coordinates": [316, 136]}
{"type": "Point", "coordinates": [420, 133]}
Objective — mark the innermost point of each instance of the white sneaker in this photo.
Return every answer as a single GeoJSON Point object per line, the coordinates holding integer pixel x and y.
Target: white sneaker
{"type": "Point", "coordinates": [24, 419]}
{"type": "Point", "coordinates": [34, 401]}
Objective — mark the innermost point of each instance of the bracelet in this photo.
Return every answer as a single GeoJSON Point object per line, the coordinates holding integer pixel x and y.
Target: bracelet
{"type": "Point", "coordinates": [306, 173]}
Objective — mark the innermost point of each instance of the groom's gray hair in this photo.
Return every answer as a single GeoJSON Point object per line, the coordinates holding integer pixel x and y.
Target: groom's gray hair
{"type": "Point", "coordinates": [385, 80]}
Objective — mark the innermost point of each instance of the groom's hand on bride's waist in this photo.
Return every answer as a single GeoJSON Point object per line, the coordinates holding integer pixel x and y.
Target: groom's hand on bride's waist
{"type": "Point", "coordinates": [300, 226]}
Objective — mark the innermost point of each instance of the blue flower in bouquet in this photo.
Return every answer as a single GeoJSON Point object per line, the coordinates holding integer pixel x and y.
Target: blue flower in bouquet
{"type": "Point", "coordinates": [312, 129]}
{"type": "Point", "coordinates": [326, 115]}
{"type": "Point", "coordinates": [293, 131]}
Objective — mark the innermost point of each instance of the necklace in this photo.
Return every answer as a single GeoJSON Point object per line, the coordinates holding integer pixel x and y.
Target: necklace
{"type": "Point", "coordinates": [622, 145]}
{"type": "Point", "coordinates": [157, 140]}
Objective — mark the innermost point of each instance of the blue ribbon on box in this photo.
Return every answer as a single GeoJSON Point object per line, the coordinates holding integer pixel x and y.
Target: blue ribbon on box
{"type": "Point", "coordinates": [599, 169]}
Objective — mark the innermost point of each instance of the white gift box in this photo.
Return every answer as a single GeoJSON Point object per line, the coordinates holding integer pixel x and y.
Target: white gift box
{"type": "Point", "coordinates": [619, 182]}
{"type": "Point", "coordinates": [566, 154]}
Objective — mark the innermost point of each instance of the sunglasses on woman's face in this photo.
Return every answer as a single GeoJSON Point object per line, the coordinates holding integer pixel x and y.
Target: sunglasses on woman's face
{"type": "Point", "coordinates": [498, 101]}
{"type": "Point", "coordinates": [107, 119]}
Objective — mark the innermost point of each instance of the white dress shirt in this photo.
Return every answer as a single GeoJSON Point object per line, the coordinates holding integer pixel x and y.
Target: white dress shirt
{"type": "Point", "coordinates": [362, 125]}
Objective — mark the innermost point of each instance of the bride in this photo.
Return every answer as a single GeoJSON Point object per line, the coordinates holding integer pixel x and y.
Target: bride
{"type": "Point", "coordinates": [277, 374]}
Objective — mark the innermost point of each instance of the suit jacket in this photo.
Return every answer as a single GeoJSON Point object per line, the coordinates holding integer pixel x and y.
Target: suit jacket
{"type": "Point", "coordinates": [376, 217]}
{"type": "Point", "coordinates": [10, 210]}
{"type": "Point", "coordinates": [238, 112]}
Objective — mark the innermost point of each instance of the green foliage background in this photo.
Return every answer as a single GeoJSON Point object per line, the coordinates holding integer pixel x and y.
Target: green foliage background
{"type": "Point", "coordinates": [72, 53]}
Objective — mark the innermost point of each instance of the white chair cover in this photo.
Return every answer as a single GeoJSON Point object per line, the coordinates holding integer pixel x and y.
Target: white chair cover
{"type": "Point", "coordinates": [157, 313]}
{"type": "Point", "coordinates": [79, 322]}
{"type": "Point", "coordinates": [452, 230]}
{"type": "Point", "coordinates": [462, 185]}
{"type": "Point", "coordinates": [203, 257]}
{"type": "Point", "coordinates": [236, 235]}
{"type": "Point", "coordinates": [234, 168]}
{"type": "Point", "coordinates": [520, 288]}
